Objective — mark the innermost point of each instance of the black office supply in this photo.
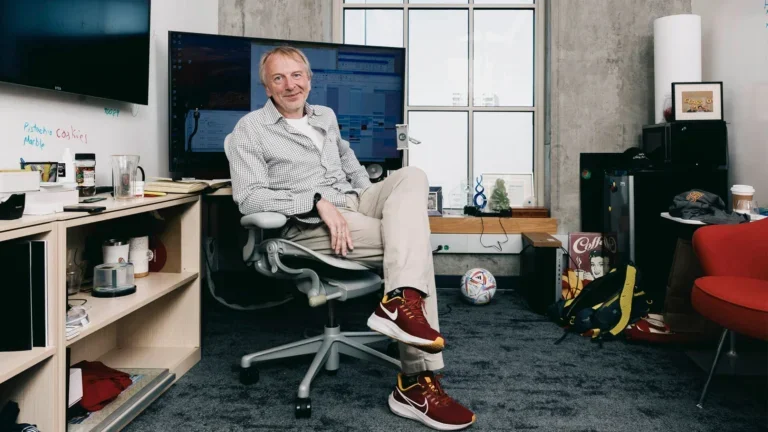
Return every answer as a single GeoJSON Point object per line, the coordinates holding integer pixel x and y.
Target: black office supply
{"type": "Point", "coordinates": [541, 270]}
{"type": "Point", "coordinates": [13, 207]}
{"type": "Point", "coordinates": [39, 282]}
{"type": "Point", "coordinates": [84, 208]}
{"type": "Point", "coordinates": [15, 257]}
{"type": "Point", "coordinates": [92, 200]}
{"type": "Point", "coordinates": [692, 143]}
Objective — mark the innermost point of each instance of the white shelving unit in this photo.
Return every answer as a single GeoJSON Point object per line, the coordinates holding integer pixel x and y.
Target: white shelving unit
{"type": "Point", "coordinates": [158, 327]}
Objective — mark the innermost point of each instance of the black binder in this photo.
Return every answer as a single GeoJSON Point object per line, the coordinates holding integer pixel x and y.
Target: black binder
{"type": "Point", "coordinates": [39, 281]}
{"type": "Point", "coordinates": [16, 290]}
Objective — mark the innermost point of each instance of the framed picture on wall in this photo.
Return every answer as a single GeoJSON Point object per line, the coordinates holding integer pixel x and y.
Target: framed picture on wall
{"type": "Point", "coordinates": [697, 100]}
{"type": "Point", "coordinates": [435, 201]}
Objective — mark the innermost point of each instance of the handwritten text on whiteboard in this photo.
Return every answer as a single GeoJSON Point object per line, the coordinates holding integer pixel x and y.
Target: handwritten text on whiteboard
{"type": "Point", "coordinates": [35, 135]}
{"type": "Point", "coordinates": [72, 133]}
{"type": "Point", "coordinates": [112, 112]}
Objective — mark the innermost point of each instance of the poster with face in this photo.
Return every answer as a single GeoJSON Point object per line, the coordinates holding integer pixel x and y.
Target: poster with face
{"type": "Point", "coordinates": [592, 254]}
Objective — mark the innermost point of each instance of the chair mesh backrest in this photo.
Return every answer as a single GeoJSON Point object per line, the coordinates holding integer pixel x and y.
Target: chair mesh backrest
{"type": "Point", "coordinates": [733, 250]}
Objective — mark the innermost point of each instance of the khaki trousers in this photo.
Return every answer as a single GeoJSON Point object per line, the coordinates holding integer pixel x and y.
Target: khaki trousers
{"type": "Point", "coordinates": [389, 225]}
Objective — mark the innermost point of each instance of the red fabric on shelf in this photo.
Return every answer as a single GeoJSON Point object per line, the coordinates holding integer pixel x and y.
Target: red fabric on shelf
{"type": "Point", "coordinates": [101, 384]}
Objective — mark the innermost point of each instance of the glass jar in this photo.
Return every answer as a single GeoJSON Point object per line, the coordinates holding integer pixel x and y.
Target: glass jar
{"type": "Point", "coordinates": [85, 173]}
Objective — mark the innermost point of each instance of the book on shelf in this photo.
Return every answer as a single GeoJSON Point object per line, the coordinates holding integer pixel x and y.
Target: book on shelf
{"type": "Point", "coordinates": [25, 291]}
{"type": "Point", "coordinates": [39, 284]}
{"type": "Point", "coordinates": [162, 184]}
{"type": "Point", "coordinates": [16, 258]}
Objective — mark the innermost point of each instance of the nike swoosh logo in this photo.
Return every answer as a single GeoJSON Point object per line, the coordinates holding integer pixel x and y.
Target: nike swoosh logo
{"type": "Point", "coordinates": [391, 315]}
{"type": "Point", "coordinates": [421, 407]}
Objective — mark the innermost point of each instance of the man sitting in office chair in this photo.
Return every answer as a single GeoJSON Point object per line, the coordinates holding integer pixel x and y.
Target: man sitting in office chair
{"type": "Point", "coordinates": [288, 157]}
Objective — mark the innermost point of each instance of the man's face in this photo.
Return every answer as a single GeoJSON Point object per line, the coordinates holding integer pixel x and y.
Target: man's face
{"type": "Point", "coordinates": [287, 83]}
{"type": "Point", "coordinates": [599, 265]}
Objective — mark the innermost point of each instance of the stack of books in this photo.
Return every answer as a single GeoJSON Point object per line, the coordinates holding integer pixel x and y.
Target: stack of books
{"type": "Point", "coordinates": [166, 185]}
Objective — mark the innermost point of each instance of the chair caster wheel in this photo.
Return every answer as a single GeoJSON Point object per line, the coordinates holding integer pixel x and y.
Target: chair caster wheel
{"type": "Point", "coordinates": [249, 375]}
{"type": "Point", "coordinates": [303, 408]}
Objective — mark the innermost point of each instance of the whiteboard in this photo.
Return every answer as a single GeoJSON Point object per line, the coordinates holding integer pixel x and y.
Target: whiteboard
{"type": "Point", "coordinates": [735, 51]}
{"type": "Point", "coordinates": [37, 124]}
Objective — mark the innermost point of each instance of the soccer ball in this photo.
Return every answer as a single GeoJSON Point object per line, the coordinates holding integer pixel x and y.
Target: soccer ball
{"type": "Point", "coordinates": [478, 286]}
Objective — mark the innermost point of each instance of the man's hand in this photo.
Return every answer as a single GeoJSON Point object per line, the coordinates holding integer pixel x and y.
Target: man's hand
{"type": "Point", "coordinates": [341, 239]}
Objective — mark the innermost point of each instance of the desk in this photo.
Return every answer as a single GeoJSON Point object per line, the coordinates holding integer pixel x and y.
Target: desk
{"type": "Point", "coordinates": [157, 327]}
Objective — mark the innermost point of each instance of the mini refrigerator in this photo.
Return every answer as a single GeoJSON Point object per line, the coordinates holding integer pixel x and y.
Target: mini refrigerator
{"type": "Point", "coordinates": [632, 205]}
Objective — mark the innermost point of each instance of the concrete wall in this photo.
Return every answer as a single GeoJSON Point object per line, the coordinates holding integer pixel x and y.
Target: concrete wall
{"type": "Point", "coordinates": [601, 85]}
{"type": "Point", "coordinates": [306, 20]}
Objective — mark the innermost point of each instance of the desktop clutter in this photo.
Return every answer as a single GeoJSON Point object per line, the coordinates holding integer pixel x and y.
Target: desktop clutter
{"type": "Point", "coordinates": [41, 188]}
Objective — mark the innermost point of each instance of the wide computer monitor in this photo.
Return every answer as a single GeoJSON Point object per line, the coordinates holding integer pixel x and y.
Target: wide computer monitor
{"type": "Point", "coordinates": [218, 77]}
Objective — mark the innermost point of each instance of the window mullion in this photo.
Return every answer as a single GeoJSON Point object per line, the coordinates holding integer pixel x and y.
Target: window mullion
{"type": "Point", "coordinates": [471, 97]}
{"type": "Point", "coordinates": [406, 81]}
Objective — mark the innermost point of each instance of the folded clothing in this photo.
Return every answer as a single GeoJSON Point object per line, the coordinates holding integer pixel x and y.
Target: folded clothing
{"type": "Point", "coordinates": [705, 207]}
{"type": "Point", "coordinates": [101, 384]}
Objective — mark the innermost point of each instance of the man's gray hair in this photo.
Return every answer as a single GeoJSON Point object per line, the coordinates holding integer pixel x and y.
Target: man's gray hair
{"type": "Point", "coordinates": [287, 51]}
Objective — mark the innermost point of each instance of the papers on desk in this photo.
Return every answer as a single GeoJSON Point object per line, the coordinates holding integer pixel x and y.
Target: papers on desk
{"type": "Point", "coordinates": [160, 184]}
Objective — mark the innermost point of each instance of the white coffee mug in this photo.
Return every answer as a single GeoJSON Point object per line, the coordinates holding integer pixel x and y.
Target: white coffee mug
{"type": "Point", "coordinates": [139, 243]}
{"type": "Point", "coordinates": [115, 251]}
{"type": "Point", "coordinates": [140, 260]}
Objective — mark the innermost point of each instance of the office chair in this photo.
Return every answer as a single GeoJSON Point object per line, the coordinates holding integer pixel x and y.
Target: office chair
{"type": "Point", "coordinates": [325, 280]}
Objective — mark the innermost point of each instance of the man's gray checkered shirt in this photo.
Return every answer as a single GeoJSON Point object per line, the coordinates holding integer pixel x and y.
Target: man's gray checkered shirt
{"type": "Point", "coordinates": [276, 168]}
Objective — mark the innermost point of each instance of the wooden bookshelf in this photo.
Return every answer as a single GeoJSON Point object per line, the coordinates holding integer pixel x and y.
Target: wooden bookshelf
{"type": "Point", "coordinates": [105, 311]}
{"type": "Point", "coordinates": [13, 363]}
{"type": "Point", "coordinates": [158, 327]}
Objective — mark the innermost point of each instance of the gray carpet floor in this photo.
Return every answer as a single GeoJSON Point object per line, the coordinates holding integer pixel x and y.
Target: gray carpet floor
{"type": "Point", "coordinates": [501, 362]}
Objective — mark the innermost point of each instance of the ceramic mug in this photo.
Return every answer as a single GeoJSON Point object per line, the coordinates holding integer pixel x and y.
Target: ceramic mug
{"type": "Point", "coordinates": [115, 251]}
{"type": "Point", "coordinates": [140, 260]}
{"type": "Point", "coordinates": [139, 243]}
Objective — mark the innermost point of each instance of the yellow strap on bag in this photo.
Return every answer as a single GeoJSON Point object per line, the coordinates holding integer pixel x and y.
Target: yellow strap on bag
{"type": "Point", "coordinates": [625, 301]}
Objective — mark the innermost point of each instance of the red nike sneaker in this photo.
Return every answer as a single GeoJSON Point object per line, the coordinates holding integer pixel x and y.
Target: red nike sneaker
{"type": "Point", "coordinates": [427, 402]}
{"type": "Point", "coordinates": [400, 315]}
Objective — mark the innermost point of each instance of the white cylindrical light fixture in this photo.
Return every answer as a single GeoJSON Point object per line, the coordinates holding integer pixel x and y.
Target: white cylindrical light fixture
{"type": "Point", "coordinates": [676, 55]}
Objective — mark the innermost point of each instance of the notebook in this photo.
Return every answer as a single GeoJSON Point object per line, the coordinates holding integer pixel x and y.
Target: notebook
{"type": "Point", "coordinates": [183, 186]}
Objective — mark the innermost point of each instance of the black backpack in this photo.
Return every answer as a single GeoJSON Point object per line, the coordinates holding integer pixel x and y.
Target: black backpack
{"type": "Point", "coordinates": [605, 307]}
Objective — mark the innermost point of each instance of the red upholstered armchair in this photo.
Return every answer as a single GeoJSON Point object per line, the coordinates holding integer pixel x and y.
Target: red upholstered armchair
{"type": "Point", "coordinates": [734, 292]}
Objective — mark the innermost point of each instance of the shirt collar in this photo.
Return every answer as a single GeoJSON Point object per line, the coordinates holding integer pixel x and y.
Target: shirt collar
{"type": "Point", "coordinates": [273, 115]}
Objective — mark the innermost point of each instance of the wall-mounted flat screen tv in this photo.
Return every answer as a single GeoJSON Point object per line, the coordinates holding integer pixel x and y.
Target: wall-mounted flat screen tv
{"type": "Point", "coordinates": [96, 48]}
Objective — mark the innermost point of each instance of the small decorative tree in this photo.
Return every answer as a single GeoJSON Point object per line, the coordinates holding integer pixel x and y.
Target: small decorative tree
{"type": "Point", "coordinates": [499, 198]}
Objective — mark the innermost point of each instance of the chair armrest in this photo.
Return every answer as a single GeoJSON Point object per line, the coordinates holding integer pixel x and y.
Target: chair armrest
{"type": "Point", "coordinates": [263, 220]}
